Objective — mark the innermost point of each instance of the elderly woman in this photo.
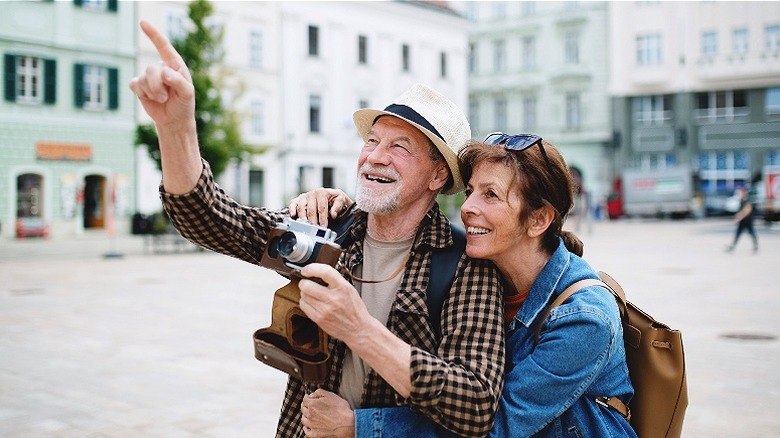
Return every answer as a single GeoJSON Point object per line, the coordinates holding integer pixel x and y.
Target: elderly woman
{"type": "Point", "coordinates": [518, 194]}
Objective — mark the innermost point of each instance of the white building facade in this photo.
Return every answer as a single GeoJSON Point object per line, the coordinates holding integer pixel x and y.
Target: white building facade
{"type": "Point", "coordinates": [542, 68]}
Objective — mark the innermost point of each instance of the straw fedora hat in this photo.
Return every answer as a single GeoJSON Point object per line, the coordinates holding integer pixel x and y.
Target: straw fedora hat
{"type": "Point", "coordinates": [434, 115]}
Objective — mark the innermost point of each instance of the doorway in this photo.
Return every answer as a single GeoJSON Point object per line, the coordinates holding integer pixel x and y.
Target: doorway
{"type": "Point", "coordinates": [94, 201]}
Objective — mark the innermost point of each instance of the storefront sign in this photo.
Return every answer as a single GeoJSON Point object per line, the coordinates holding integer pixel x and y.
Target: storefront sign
{"type": "Point", "coordinates": [63, 151]}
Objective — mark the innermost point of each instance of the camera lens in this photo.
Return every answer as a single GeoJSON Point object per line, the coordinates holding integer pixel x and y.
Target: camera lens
{"type": "Point", "coordinates": [295, 247]}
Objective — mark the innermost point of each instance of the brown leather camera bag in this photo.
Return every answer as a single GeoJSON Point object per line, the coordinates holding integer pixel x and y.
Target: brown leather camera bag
{"type": "Point", "coordinates": [656, 365]}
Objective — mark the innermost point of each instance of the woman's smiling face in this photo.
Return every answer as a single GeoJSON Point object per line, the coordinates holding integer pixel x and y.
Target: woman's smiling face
{"type": "Point", "coordinates": [491, 213]}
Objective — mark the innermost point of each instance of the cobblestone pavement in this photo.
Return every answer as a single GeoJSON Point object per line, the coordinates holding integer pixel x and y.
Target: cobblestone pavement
{"type": "Point", "coordinates": [159, 344]}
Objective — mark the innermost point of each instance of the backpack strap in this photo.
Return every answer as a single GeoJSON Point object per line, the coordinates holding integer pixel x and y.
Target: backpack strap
{"type": "Point", "coordinates": [569, 291]}
{"type": "Point", "coordinates": [443, 265]}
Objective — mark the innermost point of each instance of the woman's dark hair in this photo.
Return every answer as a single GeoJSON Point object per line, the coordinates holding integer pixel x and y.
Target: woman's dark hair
{"type": "Point", "coordinates": [538, 184]}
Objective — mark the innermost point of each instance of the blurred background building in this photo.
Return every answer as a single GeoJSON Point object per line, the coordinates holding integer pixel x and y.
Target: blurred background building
{"type": "Point", "coordinates": [662, 108]}
{"type": "Point", "coordinates": [67, 117]}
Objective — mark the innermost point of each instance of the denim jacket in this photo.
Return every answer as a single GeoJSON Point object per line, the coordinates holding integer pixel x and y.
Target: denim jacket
{"type": "Point", "coordinates": [549, 388]}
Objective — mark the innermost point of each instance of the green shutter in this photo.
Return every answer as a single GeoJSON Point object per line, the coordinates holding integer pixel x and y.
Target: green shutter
{"type": "Point", "coordinates": [78, 85]}
{"type": "Point", "coordinates": [113, 88]}
{"type": "Point", "coordinates": [77, 2]}
{"type": "Point", "coordinates": [113, 5]}
{"type": "Point", "coordinates": [10, 78]}
{"type": "Point", "coordinates": [49, 81]}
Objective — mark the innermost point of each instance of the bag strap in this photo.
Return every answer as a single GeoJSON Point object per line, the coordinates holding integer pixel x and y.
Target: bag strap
{"type": "Point", "coordinates": [443, 264]}
{"type": "Point", "coordinates": [569, 291]}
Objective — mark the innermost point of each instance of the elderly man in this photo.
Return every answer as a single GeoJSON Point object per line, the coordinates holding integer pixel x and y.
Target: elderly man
{"type": "Point", "coordinates": [384, 350]}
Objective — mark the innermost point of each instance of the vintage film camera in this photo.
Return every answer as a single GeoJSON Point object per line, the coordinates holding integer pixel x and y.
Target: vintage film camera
{"type": "Point", "coordinates": [293, 343]}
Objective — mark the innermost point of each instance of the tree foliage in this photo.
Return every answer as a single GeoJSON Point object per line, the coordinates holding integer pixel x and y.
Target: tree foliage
{"type": "Point", "coordinates": [217, 126]}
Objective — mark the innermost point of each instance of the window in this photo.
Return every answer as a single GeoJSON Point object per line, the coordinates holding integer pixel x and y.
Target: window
{"type": "Point", "coordinates": [499, 55]}
{"type": "Point", "coordinates": [472, 57]}
{"type": "Point", "coordinates": [29, 79]}
{"type": "Point", "coordinates": [362, 103]}
{"type": "Point", "coordinates": [474, 114]}
{"type": "Point", "coordinates": [572, 47]}
{"type": "Point", "coordinates": [721, 172]}
{"type": "Point", "coordinates": [773, 158]}
{"type": "Point", "coordinates": [443, 65]}
{"type": "Point", "coordinates": [648, 49]}
{"type": "Point", "coordinates": [328, 177]}
{"type": "Point", "coordinates": [256, 184]}
{"type": "Point", "coordinates": [314, 113]}
{"type": "Point", "coordinates": [529, 113]}
{"type": "Point", "coordinates": [709, 44]}
{"type": "Point", "coordinates": [97, 5]}
{"type": "Point", "coordinates": [500, 115]}
{"type": "Point", "coordinates": [572, 111]}
{"type": "Point", "coordinates": [314, 41]}
{"type": "Point", "coordinates": [362, 49]}
{"type": "Point", "coordinates": [307, 178]}
{"type": "Point", "coordinates": [256, 49]}
{"type": "Point", "coordinates": [772, 37]}
{"type": "Point", "coordinates": [405, 62]}
{"type": "Point", "coordinates": [655, 161]}
{"type": "Point", "coordinates": [529, 52]}
{"type": "Point", "coordinates": [527, 8]}
{"type": "Point", "coordinates": [720, 106]}
{"type": "Point", "coordinates": [773, 101]}
{"type": "Point", "coordinates": [175, 27]}
{"type": "Point", "coordinates": [95, 87]}
{"type": "Point", "coordinates": [499, 10]}
{"type": "Point", "coordinates": [652, 110]}
{"type": "Point", "coordinates": [740, 41]}
{"type": "Point", "coordinates": [471, 11]}
{"type": "Point", "coordinates": [258, 117]}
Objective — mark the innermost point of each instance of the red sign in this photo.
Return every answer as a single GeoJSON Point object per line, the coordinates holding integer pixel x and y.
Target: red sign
{"type": "Point", "coordinates": [773, 186]}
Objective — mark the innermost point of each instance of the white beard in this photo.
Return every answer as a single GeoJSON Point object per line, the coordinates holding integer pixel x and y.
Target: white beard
{"type": "Point", "coordinates": [379, 200]}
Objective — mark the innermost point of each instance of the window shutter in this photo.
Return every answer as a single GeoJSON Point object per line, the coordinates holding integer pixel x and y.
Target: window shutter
{"type": "Point", "coordinates": [10, 78]}
{"type": "Point", "coordinates": [49, 81]}
{"type": "Point", "coordinates": [113, 88]}
{"type": "Point", "coordinates": [78, 85]}
{"type": "Point", "coordinates": [113, 5]}
{"type": "Point", "coordinates": [77, 2]}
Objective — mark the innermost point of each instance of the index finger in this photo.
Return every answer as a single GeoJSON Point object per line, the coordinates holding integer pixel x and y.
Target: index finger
{"type": "Point", "coordinates": [165, 49]}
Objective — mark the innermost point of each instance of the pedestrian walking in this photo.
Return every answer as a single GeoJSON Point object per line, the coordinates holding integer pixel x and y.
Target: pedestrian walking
{"type": "Point", "coordinates": [744, 219]}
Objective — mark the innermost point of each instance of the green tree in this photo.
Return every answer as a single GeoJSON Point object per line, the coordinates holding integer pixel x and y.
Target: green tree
{"type": "Point", "coordinates": [218, 127]}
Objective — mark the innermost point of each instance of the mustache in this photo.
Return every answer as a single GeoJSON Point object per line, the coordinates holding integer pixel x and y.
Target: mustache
{"type": "Point", "coordinates": [385, 172]}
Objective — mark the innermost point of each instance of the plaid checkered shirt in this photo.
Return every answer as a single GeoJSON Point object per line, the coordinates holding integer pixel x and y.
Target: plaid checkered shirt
{"type": "Point", "coordinates": [456, 381]}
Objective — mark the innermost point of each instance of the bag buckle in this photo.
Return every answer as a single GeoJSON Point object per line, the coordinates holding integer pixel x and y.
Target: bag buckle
{"type": "Point", "coordinates": [615, 404]}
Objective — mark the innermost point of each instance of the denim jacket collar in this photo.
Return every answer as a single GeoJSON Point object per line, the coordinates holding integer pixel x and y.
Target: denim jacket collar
{"type": "Point", "coordinates": [544, 288]}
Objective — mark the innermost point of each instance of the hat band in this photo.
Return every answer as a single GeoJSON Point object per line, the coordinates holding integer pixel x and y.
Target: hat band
{"type": "Point", "coordinates": [413, 116]}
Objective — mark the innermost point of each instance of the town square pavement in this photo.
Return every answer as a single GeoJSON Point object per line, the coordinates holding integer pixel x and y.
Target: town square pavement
{"type": "Point", "coordinates": [112, 338]}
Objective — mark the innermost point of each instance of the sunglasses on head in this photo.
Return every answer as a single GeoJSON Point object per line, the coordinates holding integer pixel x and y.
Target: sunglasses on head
{"type": "Point", "coordinates": [519, 143]}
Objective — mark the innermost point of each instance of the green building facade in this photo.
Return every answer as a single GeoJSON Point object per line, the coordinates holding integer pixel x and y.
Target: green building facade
{"type": "Point", "coordinates": [67, 126]}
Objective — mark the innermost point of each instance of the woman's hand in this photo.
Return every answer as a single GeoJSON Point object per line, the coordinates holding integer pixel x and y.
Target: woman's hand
{"type": "Point", "coordinates": [325, 414]}
{"type": "Point", "coordinates": [320, 205]}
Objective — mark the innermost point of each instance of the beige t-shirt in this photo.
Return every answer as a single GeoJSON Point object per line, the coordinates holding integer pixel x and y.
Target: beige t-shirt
{"type": "Point", "coordinates": [380, 260]}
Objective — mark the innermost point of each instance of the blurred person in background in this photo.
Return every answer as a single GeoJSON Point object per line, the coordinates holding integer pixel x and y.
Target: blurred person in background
{"type": "Point", "coordinates": [744, 219]}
